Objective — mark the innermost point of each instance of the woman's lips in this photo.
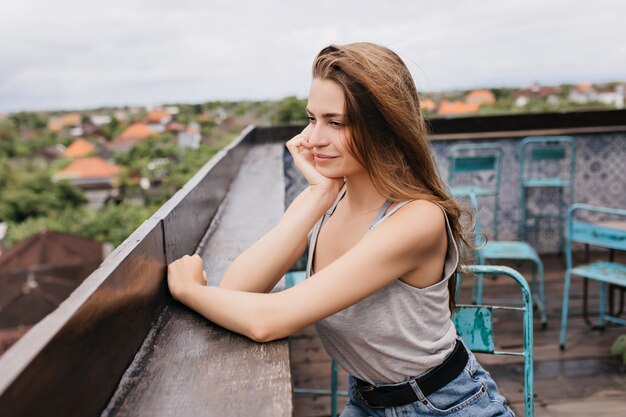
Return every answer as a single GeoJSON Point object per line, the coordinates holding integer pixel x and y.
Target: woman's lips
{"type": "Point", "coordinates": [323, 157]}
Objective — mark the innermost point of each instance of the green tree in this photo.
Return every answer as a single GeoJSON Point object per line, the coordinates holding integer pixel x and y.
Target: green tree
{"type": "Point", "coordinates": [114, 223]}
{"type": "Point", "coordinates": [290, 110]}
{"type": "Point", "coordinates": [34, 194]}
{"type": "Point", "coordinates": [111, 129]}
{"type": "Point", "coordinates": [197, 109]}
{"type": "Point", "coordinates": [111, 223]}
{"type": "Point", "coordinates": [29, 120]}
{"type": "Point", "coordinates": [10, 143]}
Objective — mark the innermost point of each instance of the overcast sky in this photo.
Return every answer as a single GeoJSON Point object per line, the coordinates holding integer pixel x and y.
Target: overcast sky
{"type": "Point", "coordinates": [68, 54]}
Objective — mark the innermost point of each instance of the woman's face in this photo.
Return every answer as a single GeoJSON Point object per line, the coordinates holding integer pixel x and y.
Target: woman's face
{"type": "Point", "coordinates": [329, 131]}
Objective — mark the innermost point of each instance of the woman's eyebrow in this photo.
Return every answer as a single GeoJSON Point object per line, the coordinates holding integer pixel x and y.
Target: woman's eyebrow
{"type": "Point", "coordinates": [325, 115]}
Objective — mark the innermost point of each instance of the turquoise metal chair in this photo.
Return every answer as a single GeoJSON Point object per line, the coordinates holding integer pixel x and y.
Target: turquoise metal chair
{"type": "Point", "coordinates": [546, 162]}
{"type": "Point", "coordinates": [474, 323]}
{"type": "Point", "coordinates": [466, 162]}
{"type": "Point", "coordinates": [291, 279]}
{"type": "Point", "coordinates": [600, 235]}
{"type": "Point", "coordinates": [495, 250]}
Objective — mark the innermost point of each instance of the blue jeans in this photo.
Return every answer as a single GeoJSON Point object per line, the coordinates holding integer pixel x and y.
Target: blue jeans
{"type": "Point", "coordinates": [473, 393]}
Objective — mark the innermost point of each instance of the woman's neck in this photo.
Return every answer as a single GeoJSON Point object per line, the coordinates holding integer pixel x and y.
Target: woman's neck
{"type": "Point", "coordinates": [361, 195]}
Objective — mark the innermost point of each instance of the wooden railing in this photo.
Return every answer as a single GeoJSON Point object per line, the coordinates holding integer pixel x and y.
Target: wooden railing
{"type": "Point", "coordinates": [76, 361]}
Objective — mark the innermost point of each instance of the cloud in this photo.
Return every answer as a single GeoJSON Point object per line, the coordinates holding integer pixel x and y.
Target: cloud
{"type": "Point", "coordinates": [69, 54]}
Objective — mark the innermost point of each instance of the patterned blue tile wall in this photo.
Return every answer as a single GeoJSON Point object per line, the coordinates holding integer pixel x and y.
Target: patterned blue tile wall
{"type": "Point", "coordinates": [600, 179]}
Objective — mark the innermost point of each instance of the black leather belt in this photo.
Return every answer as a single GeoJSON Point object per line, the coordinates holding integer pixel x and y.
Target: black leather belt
{"type": "Point", "coordinates": [392, 395]}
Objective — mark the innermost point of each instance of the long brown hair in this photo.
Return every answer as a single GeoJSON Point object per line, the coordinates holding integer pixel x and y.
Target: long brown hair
{"type": "Point", "coordinates": [389, 135]}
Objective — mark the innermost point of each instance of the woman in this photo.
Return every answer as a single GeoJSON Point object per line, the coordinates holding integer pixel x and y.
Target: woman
{"type": "Point", "coordinates": [383, 250]}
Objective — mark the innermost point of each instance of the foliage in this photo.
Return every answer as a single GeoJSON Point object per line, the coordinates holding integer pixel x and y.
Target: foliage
{"type": "Point", "coordinates": [7, 175]}
{"type": "Point", "coordinates": [565, 90]}
{"type": "Point", "coordinates": [191, 161]}
{"type": "Point", "coordinates": [111, 223]}
{"type": "Point", "coordinates": [29, 120]}
{"type": "Point", "coordinates": [10, 143]}
{"type": "Point", "coordinates": [187, 113]}
{"type": "Point", "coordinates": [503, 93]}
{"type": "Point", "coordinates": [138, 157]}
{"type": "Point", "coordinates": [537, 105]}
{"type": "Point", "coordinates": [160, 160]}
{"type": "Point", "coordinates": [42, 141]}
{"type": "Point", "coordinates": [243, 107]}
{"type": "Point", "coordinates": [290, 111]}
{"type": "Point", "coordinates": [206, 128]}
{"type": "Point", "coordinates": [112, 129]}
{"type": "Point", "coordinates": [114, 223]}
{"type": "Point", "coordinates": [32, 193]}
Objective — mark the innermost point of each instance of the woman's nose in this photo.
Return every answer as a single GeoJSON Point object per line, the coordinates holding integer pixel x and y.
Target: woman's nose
{"type": "Point", "coordinates": [317, 137]}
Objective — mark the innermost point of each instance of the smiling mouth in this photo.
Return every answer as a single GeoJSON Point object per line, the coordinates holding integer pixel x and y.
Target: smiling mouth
{"type": "Point", "coordinates": [323, 156]}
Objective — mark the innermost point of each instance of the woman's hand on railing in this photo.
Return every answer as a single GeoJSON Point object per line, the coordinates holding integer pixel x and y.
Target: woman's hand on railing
{"type": "Point", "coordinates": [302, 153]}
{"type": "Point", "coordinates": [184, 274]}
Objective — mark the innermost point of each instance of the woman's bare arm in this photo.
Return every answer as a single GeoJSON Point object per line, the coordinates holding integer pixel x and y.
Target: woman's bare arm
{"type": "Point", "coordinates": [400, 244]}
{"type": "Point", "coordinates": [259, 268]}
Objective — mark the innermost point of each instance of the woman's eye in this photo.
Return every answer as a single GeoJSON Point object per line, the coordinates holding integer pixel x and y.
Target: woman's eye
{"type": "Point", "coordinates": [311, 119]}
{"type": "Point", "coordinates": [336, 123]}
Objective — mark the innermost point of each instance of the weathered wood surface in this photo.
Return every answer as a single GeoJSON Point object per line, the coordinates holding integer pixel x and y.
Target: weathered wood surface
{"type": "Point", "coordinates": [191, 367]}
{"type": "Point", "coordinates": [584, 380]}
{"type": "Point", "coordinates": [71, 361]}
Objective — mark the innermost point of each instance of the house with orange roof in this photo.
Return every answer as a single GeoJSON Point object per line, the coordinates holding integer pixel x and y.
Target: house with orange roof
{"type": "Point", "coordinates": [79, 149]}
{"type": "Point", "coordinates": [480, 97]}
{"type": "Point", "coordinates": [158, 120]}
{"type": "Point", "coordinates": [133, 134]}
{"type": "Point", "coordinates": [453, 108]}
{"type": "Point", "coordinates": [583, 93]}
{"type": "Point", "coordinates": [95, 176]}
{"type": "Point", "coordinates": [56, 124]}
{"type": "Point", "coordinates": [159, 117]}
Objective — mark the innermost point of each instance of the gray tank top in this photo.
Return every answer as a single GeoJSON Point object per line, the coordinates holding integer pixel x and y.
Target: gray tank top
{"type": "Point", "coordinates": [398, 332]}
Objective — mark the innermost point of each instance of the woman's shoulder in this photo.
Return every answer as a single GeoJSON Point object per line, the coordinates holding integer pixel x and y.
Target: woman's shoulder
{"type": "Point", "coordinates": [421, 211]}
{"type": "Point", "coordinates": [420, 220]}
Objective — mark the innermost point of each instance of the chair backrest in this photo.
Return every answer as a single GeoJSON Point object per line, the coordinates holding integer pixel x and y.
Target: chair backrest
{"type": "Point", "coordinates": [479, 238]}
{"type": "Point", "coordinates": [473, 158]}
{"type": "Point", "coordinates": [474, 323]}
{"type": "Point", "coordinates": [536, 150]}
{"type": "Point", "coordinates": [610, 234]}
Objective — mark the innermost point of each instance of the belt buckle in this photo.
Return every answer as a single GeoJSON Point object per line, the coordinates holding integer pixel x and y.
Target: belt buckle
{"type": "Point", "coordinates": [363, 389]}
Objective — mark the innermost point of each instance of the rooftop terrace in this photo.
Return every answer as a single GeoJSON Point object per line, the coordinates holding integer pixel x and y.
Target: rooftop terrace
{"type": "Point", "coordinates": [120, 346]}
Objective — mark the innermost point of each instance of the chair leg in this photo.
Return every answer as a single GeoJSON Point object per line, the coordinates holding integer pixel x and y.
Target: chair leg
{"type": "Point", "coordinates": [602, 309]}
{"type": "Point", "coordinates": [538, 267]}
{"type": "Point", "coordinates": [566, 289]}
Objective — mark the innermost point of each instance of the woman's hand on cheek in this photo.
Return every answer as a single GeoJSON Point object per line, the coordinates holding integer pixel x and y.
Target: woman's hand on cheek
{"type": "Point", "coordinates": [183, 274]}
{"type": "Point", "coordinates": [302, 153]}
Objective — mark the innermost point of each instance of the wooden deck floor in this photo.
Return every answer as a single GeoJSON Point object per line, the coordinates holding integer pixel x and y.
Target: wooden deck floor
{"type": "Point", "coordinates": [583, 380]}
